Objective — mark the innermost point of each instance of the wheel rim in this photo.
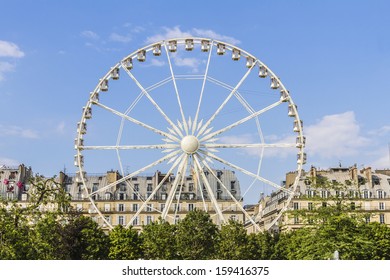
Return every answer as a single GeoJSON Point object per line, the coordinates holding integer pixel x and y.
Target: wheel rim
{"type": "Point", "coordinates": [189, 143]}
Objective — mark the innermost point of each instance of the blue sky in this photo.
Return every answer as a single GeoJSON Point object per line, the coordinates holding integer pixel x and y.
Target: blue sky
{"type": "Point", "coordinates": [333, 56]}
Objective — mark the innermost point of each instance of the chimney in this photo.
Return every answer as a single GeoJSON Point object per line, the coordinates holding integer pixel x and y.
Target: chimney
{"type": "Point", "coordinates": [353, 173]}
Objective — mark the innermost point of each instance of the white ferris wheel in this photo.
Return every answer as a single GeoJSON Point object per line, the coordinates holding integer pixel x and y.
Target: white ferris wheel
{"type": "Point", "coordinates": [189, 107]}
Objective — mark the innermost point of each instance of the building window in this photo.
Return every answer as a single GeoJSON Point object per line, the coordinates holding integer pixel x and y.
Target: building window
{"type": "Point", "coordinates": [296, 205]}
{"type": "Point", "coordinates": [162, 206]}
{"type": "Point", "coordinates": [107, 207]}
{"type": "Point", "coordinates": [176, 207]}
{"type": "Point", "coordinates": [136, 187]}
{"type": "Point", "coordinates": [310, 193]}
{"type": "Point", "coordinates": [324, 204]}
{"type": "Point", "coordinates": [135, 221]}
{"type": "Point", "coordinates": [353, 206]}
{"type": "Point", "coordinates": [366, 194]}
{"type": "Point", "coordinates": [382, 218]}
{"type": "Point", "coordinates": [368, 219]}
{"type": "Point", "coordinates": [380, 194]}
{"type": "Point", "coordinates": [296, 220]}
{"type": "Point", "coordinates": [177, 219]}
{"type": "Point", "coordinates": [190, 207]}
{"type": "Point", "coordinates": [381, 206]}
{"type": "Point", "coordinates": [233, 217]}
{"type": "Point", "coordinates": [135, 207]}
{"type": "Point", "coordinates": [149, 220]}
{"type": "Point", "coordinates": [121, 220]}
{"type": "Point", "coordinates": [121, 207]}
{"type": "Point", "coordinates": [108, 219]}
{"type": "Point", "coordinates": [95, 187]}
{"type": "Point", "coordinates": [191, 187]}
{"type": "Point", "coordinates": [324, 194]}
{"type": "Point", "coordinates": [122, 196]}
{"type": "Point", "coordinates": [149, 207]}
{"type": "Point", "coordinates": [135, 196]}
{"type": "Point", "coordinates": [149, 188]}
{"type": "Point", "coordinates": [310, 206]}
{"type": "Point", "coordinates": [232, 185]}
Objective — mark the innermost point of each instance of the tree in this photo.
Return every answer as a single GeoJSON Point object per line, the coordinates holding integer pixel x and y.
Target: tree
{"type": "Point", "coordinates": [158, 241]}
{"type": "Point", "coordinates": [196, 236]}
{"type": "Point", "coordinates": [125, 244]}
{"type": "Point", "coordinates": [233, 242]}
{"type": "Point", "coordinates": [261, 245]}
{"type": "Point", "coordinates": [85, 240]}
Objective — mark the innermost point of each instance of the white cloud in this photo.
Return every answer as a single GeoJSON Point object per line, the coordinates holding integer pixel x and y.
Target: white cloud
{"type": "Point", "coordinates": [89, 35]}
{"type": "Point", "coordinates": [9, 49]}
{"type": "Point", "coordinates": [332, 137]}
{"type": "Point", "coordinates": [12, 130]}
{"type": "Point", "coordinates": [382, 159]}
{"type": "Point", "coordinates": [384, 130]}
{"type": "Point", "coordinates": [120, 38]}
{"type": "Point", "coordinates": [176, 32]}
{"type": "Point", "coordinates": [187, 62]}
{"type": "Point", "coordinates": [335, 136]}
{"type": "Point", "coordinates": [60, 128]}
{"type": "Point", "coordinates": [213, 35]}
{"type": "Point", "coordinates": [156, 62]}
{"type": "Point", "coordinates": [4, 68]}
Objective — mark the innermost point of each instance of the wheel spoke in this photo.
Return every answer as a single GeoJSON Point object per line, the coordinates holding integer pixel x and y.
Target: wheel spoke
{"type": "Point", "coordinates": [237, 123]}
{"type": "Point", "coordinates": [131, 147]}
{"type": "Point", "coordinates": [173, 189]}
{"type": "Point", "coordinates": [202, 90]}
{"type": "Point", "coordinates": [176, 90]}
{"type": "Point", "coordinates": [199, 185]}
{"type": "Point", "coordinates": [257, 145]}
{"type": "Point", "coordinates": [232, 196]}
{"type": "Point", "coordinates": [207, 124]}
{"type": "Point", "coordinates": [135, 173]}
{"type": "Point", "coordinates": [156, 189]}
{"type": "Point", "coordinates": [259, 178]}
{"type": "Point", "coordinates": [181, 185]}
{"type": "Point", "coordinates": [160, 132]}
{"type": "Point", "coordinates": [209, 190]}
{"type": "Point", "coordinates": [146, 93]}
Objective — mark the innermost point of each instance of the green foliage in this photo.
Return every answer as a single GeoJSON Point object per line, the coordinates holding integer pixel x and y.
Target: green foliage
{"type": "Point", "coordinates": [85, 240]}
{"type": "Point", "coordinates": [196, 237]}
{"type": "Point", "coordinates": [158, 241]}
{"type": "Point", "coordinates": [261, 245]}
{"type": "Point", "coordinates": [233, 242]}
{"type": "Point", "coordinates": [125, 244]}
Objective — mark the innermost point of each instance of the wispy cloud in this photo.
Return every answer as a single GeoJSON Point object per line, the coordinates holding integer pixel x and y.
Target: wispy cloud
{"type": "Point", "coordinates": [8, 161]}
{"type": "Point", "coordinates": [167, 33]}
{"type": "Point", "coordinates": [5, 67]}
{"type": "Point", "coordinates": [90, 35]}
{"type": "Point", "coordinates": [156, 62]}
{"type": "Point", "coordinates": [9, 49]}
{"type": "Point", "coordinates": [11, 130]}
{"type": "Point", "coordinates": [214, 35]}
{"type": "Point", "coordinates": [120, 38]}
{"type": "Point", "coordinates": [176, 32]}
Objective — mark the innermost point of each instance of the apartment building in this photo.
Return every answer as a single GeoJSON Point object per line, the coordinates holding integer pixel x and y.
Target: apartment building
{"type": "Point", "coordinates": [364, 190]}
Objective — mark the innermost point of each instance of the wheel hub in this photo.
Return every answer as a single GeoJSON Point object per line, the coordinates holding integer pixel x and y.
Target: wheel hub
{"type": "Point", "coordinates": [189, 144]}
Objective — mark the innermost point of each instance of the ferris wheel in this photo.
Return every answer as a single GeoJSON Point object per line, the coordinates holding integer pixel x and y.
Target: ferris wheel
{"type": "Point", "coordinates": [191, 107]}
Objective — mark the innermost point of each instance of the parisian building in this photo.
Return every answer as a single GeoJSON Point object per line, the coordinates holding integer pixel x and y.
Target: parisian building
{"type": "Point", "coordinates": [362, 190]}
{"type": "Point", "coordinates": [125, 203]}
